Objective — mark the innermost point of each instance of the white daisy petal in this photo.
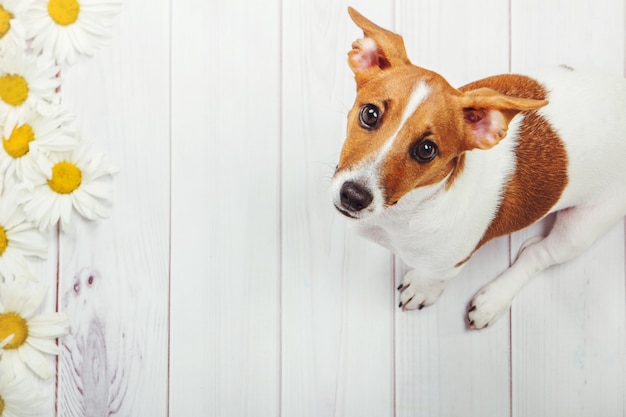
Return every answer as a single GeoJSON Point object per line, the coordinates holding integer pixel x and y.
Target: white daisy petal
{"type": "Point", "coordinates": [18, 396]}
{"type": "Point", "coordinates": [44, 345]}
{"type": "Point", "coordinates": [18, 238]}
{"type": "Point", "coordinates": [50, 325]}
{"type": "Point", "coordinates": [12, 266]}
{"type": "Point", "coordinates": [26, 277]}
{"type": "Point", "coordinates": [15, 296]}
{"type": "Point", "coordinates": [27, 83]}
{"type": "Point", "coordinates": [32, 303]}
{"type": "Point", "coordinates": [36, 361]}
{"type": "Point", "coordinates": [36, 135]}
{"type": "Point", "coordinates": [11, 362]}
{"type": "Point", "coordinates": [13, 33]}
{"type": "Point", "coordinates": [81, 28]}
{"type": "Point", "coordinates": [7, 340]}
{"type": "Point", "coordinates": [80, 183]}
{"type": "Point", "coordinates": [98, 189]}
{"type": "Point", "coordinates": [32, 335]}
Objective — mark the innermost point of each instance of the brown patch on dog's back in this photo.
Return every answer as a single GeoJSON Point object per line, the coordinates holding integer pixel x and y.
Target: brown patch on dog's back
{"type": "Point", "coordinates": [538, 182]}
{"type": "Point", "coordinates": [541, 162]}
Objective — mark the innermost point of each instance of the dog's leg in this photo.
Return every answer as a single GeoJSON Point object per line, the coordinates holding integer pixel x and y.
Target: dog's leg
{"type": "Point", "coordinates": [418, 291]}
{"type": "Point", "coordinates": [574, 230]}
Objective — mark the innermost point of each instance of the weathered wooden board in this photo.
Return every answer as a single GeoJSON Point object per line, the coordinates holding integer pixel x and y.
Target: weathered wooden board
{"type": "Point", "coordinates": [114, 274]}
{"type": "Point", "coordinates": [226, 285]}
{"type": "Point", "coordinates": [225, 247]}
{"type": "Point", "coordinates": [568, 330]}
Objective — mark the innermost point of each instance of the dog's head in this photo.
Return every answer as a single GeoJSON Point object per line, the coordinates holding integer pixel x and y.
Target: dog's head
{"type": "Point", "coordinates": [408, 127]}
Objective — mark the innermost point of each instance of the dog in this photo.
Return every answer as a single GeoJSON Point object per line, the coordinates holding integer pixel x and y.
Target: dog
{"type": "Point", "coordinates": [432, 172]}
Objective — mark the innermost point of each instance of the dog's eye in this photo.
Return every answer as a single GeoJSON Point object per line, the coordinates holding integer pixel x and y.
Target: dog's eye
{"type": "Point", "coordinates": [424, 151]}
{"type": "Point", "coordinates": [369, 116]}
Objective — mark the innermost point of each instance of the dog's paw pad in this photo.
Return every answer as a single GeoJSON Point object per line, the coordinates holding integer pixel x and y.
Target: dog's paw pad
{"type": "Point", "coordinates": [486, 308]}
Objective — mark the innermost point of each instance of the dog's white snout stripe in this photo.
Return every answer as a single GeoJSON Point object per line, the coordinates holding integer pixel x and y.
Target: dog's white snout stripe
{"type": "Point", "coordinates": [420, 92]}
{"type": "Point", "coordinates": [367, 173]}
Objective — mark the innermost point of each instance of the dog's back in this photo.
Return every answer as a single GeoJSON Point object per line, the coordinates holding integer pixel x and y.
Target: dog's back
{"type": "Point", "coordinates": [588, 111]}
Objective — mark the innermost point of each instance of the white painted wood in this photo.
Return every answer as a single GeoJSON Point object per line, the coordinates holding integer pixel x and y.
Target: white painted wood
{"type": "Point", "coordinates": [568, 335]}
{"type": "Point", "coordinates": [463, 41]}
{"type": "Point", "coordinates": [578, 33]}
{"type": "Point", "coordinates": [337, 310]}
{"type": "Point", "coordinates": [225, 276]}
{"type": "Point", "coordinates": [226, 285]}
{"type": "Point", "coordinates": [443, 368]}
{"type": "Point", "coordinates": [113, 274]}
{"type": "Point", "coordinates": [568, 329]}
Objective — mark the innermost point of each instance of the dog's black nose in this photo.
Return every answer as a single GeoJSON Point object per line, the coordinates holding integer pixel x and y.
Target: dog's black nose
{"type": "Point", "coordinates": [355, 197]}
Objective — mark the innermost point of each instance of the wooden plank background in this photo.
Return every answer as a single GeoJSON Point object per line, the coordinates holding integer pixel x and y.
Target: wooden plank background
{"type": "Point", "coordinates": [226, 285]}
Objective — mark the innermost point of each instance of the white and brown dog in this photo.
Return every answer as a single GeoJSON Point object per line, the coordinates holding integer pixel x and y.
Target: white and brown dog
{"type": "Point", "coordinates": [433, 172]}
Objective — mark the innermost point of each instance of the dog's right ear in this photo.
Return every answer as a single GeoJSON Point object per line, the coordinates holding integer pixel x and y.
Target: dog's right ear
{"type": "Point", "coordinates": [379, 50]}
{"type": "Point", "coordinates": [487, 114]}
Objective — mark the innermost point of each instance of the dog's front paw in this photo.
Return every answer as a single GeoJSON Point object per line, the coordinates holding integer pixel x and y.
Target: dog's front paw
{"type": "Point", "coordinates": [417, 293]}
{"type": "Point", "coordinates": [487, 307]}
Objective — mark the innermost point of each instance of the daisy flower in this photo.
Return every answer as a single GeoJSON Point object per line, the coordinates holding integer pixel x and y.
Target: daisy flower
{"type": "Point", "coordinates": [63, 28]}
{"type": "Point", "coordinates": [38, 134]}
{"type": "Point", "coordinates": [70, 181]}
{"type": "Point", "coordinates": [26, 83]}
{"type": "Point", "coordinates": [30, 334]}
{"type": "Point", "coordinates": [17, 397]}
{"type": "Point", "coordinates": [12, 27]}
{"type": "Point", "coordinates": [18, 239]}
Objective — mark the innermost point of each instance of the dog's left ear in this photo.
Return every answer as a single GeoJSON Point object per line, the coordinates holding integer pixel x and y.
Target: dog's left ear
{"type": "Point", "coordinates": [380, 49]}
{"type": "Point", "coordinates": [487, 114]}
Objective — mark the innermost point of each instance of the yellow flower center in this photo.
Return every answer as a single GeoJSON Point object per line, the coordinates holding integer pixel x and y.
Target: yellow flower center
{"type": "Point", "coordinates": [66, 177]}
{"type": "Point", "coordinates": [17, 144]}
{"type": "Point", "coordinates": [64, 12]}
{"type": "Point", "coordinates": [13, 89]}
{"type": "Point", "coordinates": [13, 324]}
{"type": "Point", "coordinates": [5, 25]}
{"type": "Point", "coordinates": [4, 242]}
{"type": "Point", "coordinates": [1, 406]}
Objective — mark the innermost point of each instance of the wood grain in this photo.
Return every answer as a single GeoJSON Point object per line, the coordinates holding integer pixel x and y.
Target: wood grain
{"type": "Point", "coordinates": [225, 284]}
{"type": "Point", "coordinates": [568, 330]}
{"type": "Point", "coordinates": [580, 33]}
{"type": "Point", "coordinates": [225, 208]}
{"type": "Point", "coordinates": [113, 274]}
{"type": "Point", "coordinates": [463, 41]}
{"type": "Point", "coordinates": [568, 335]}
